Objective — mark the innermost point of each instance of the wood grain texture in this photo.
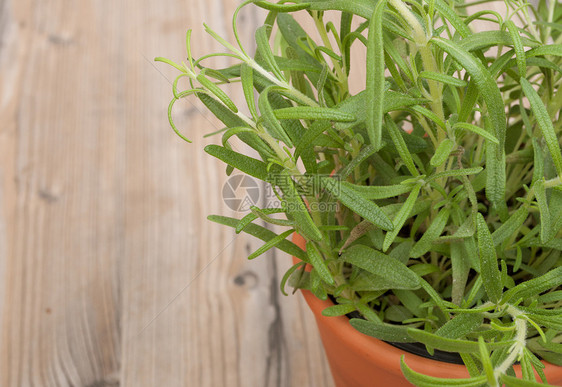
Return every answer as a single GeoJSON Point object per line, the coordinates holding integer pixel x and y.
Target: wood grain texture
{"type": "Point", "coordinates": [109, 272]}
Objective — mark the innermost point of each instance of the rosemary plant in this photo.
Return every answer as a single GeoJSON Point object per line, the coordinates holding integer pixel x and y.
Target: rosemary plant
{"type": "Point", "coordinates": [446, 169]}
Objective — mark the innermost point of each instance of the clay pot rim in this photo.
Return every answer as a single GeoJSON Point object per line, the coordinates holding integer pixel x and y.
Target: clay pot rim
{"type": "Point", "coordinates": [387, 355]}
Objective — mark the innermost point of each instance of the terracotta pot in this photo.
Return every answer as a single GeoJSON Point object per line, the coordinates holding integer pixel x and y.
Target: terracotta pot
{"type": "Point", "coordinates": [358, 360]}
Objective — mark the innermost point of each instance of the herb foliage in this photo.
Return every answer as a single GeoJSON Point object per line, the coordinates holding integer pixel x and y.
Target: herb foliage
{"type": "Point", "coordinates": [447, 169]}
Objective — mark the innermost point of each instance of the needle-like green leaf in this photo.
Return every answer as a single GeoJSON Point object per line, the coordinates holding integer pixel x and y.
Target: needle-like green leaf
{"type": "Point", "coordinates": [357, 203]}
{"type": "Point", "coordinates": [478, 130]}
{"type": "Point", "coordinates": [278, 7]}
{"type": "Point", "coordinates": [317, 261]}
{"type": "Point", "coordinates": [246, 220]}
{"type": "Point", "coordinates": [247, 79]}
{"type": "Point", "coordinates": [422, 380]}
{"type": "Point", "coordinates": [455, 173]}
{"type": "Point", "coordinates": [338, 310]}
{"type": "Point", "coordinates": [513, 224]}
{"type": "Point", "coordinates": [488, 260]}
{"type": "Point", "coordinates": [540, 194]}
{"type": "Point", "coordinates": [371, 192]}
{"type": "Point", "coordinates": [387, 332]}
{"type": "Point", "coordinates": [431, 234]}
{"type": "Point", "coordinates": [461, 325]}
{"type": "Point", "coordinates": [443, 78]}
{"type": "Point", "coordinates": [400, 145]}
{"type": "Point", "coordinates": [270, 121]}
{"type": "Point", "coordinates": [484, 81]}
{"type": "Point", "coordinates": [518, 46]}
{"type": "Point", "coordinates": [535, 286]}
{"type": "Point", "coordinates": [486, 362]}
{"type": "Point", "coordinates": [298, 210]}
{"type": "Point", "coordinates": [270, 244]}
{"type": "Point", "coordinates": [313, 113]}
{"type": "Point", "coordinates": [495, 176]}
{"type": "Point", "coordinates": [381, 265]}
{"type": "Point", "coordinates": [442, 153]}
{"type": "Point", "coordinates": [262, 233]}
{"type": "Point", "coordinates": [362, 8]}
{"type": "Point", "coordinates": [218, 92]}
{"type": "Point", "coordinates": [450, 345]}
{"type": "Point", "coordinates": [401, 217]}
{"type": "Point", "coordinates": [375, 76]}
{"type": "Point", "coordinates": [546, 49]}
{"type": "Point", "coordinates": [512, 381]}
{"type": "Point", "coordinates": [262, 42]}
{"type": "Point", "coordinates": [545, 124]}
{"type": "Point", "coordinates": [460, 266]}
{"type": "Point", "coordinates": [484, 39]}
{"type": "Point", "coordinates": [248, 165]}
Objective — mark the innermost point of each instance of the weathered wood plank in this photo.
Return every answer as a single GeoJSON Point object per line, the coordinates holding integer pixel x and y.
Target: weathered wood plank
{"type": "Point", "coordinates": [110, 273]}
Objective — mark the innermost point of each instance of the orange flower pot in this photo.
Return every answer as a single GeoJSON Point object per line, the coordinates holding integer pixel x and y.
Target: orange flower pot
{"type": "Point", "coordinates": [358, 360]}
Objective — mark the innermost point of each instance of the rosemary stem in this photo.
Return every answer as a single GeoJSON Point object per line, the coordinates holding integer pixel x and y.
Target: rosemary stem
{"type": "Point", "coordinates": [421, 39]}
{"type": "Point", "coordinates": [519, 344]}
{"type": "Point", "coordinates": [326, 40]}
{"type": "Point", "coordinates": [270, 77]}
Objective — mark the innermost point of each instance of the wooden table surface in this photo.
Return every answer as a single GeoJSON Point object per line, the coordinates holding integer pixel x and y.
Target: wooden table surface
{"type": "Point", "coordinates": [110, 273]}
